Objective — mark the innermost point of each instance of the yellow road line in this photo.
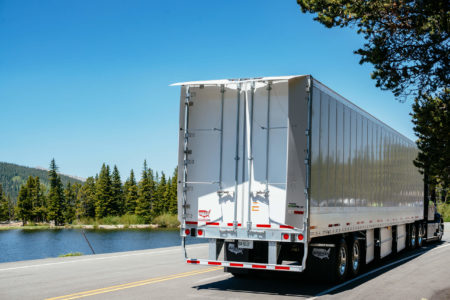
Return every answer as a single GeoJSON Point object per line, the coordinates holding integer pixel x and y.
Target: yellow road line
{"type": "Point", "coordinates": [132, 284]}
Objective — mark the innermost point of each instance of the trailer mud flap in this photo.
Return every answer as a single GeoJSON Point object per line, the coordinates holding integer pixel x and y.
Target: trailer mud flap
{"type": "Point", "coordinates": [234, 253]}
{"type": "Point", "coordinates": [321, 259]}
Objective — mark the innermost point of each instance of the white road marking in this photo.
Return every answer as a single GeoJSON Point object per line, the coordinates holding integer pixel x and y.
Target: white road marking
{"type": "Point", "coordinates": [100, 258]}
{"type": "Point", "coordinates": [375, 270]}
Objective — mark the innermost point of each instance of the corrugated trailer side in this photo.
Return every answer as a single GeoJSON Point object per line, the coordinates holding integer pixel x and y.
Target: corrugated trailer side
{"type": "Point", "coordinates": [362, 175]}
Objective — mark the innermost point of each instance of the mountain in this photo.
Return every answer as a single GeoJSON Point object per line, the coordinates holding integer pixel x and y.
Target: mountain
{"type": "Point", "coordinates": [12, 176]}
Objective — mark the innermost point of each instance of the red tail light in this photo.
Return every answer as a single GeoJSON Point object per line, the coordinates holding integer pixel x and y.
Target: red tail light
{"type": "Point", "coordinates": [300, 237]}
{"type": "Point", "coordinates": [286, 236]}
{"type": "Point", "coordinates": [200, 232]}
{"type": "Point", "coordinates": [187, 231]}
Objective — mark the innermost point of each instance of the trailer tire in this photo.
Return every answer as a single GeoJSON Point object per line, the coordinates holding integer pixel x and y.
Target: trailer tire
{"type": "Point", "coordinates": [441, 230]}
{"type": "Point", "coordinates": [340, 265]}
{"type": "Point", "coordinates": [412, 236]}
{"type": "Point", "coordinates": [355, 256]}
{"type": "Point", "coordinates": [420, 234]}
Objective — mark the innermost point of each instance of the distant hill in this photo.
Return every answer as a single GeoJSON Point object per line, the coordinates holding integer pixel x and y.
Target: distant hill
{"type": "Point", "coordinates": [12, 176]}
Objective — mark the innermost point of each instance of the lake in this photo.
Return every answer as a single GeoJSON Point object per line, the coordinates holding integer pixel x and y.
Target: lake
{"type": "Point", "coordinates": [22, 244]}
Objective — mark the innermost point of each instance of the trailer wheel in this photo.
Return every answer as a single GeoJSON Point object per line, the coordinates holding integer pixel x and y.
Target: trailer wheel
{"type": "Point", "coordinates": [420, 235]}
{"type": "Point", "coordinates": [341, 262]}
{"type": "Point", "coordinates": [413, 236]}
{"type": "Point", "coordinates": [355, 256]}
{"type": "Point", "coordinates": [441, 230]}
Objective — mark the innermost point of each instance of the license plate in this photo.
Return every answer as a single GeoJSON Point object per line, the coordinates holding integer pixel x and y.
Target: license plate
{"type": "Point", "coordinates": [245, 244]}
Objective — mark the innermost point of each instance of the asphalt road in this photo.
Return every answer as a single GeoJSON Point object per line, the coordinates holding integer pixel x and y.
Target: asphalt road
{"type": "Point", "coordinates": [161, 273]}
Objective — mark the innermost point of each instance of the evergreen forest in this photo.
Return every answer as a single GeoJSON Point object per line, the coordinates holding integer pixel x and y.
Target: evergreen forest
{"type": "Point", "coordinates": [50, 199]}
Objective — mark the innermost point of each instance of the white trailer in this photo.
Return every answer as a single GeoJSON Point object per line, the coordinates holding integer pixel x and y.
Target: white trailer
{"type": "Point", "coordinates": [282, 173]}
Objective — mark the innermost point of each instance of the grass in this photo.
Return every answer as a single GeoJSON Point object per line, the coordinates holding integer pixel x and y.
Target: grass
{"type": "Point", "coordinates": [71, 254]}
{"type": "Point", "coordinates": [111, 220]}
{"type": "Point", "coordinates": [444, 210]}
{"type": "Point", "coordinates": [164, 221]}
{"type": "Point", "coordinates": [167, 220]}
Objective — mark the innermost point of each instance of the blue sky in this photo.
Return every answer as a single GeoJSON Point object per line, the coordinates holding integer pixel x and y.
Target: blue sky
{"type": "Point", "coordinates": [87, 82]}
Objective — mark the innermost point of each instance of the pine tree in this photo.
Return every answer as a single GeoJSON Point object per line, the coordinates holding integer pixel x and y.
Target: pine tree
{"type": "Point", "coordinates": [117, 193]}
{"type": "Point", "coordinates": [160, 198]}
{"type": "Point", "coordinates": [55, 196]}
{"type": "Point", "coordinates": [103, 194]}
{"type": "Point", "coordinates": [131, 194]}
{"type": "Point", "coordinates": [38, 201]}
{"type": "Point", "coordinates": [86, 199]}
{"type": "Point", "coordinates": [145, 199]}
{"type": "Point", "coordinates": [25, 201]}
{"type": "Point", "coordinates": [10, 201]}
{"type": "Point", "coordinates": [172, 197]}
{"type": "Point", "coordinates": [69, 204]}
{"type": "Point", "coordinates": [4, 207]}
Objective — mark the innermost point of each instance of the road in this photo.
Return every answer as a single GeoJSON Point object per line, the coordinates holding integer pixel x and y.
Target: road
{"type": "Point", "coordinates": [161, 273]}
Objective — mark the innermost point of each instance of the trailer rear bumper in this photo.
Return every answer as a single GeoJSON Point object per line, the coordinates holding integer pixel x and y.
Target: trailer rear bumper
{"type": "Point", "coordinates": [246, 265]}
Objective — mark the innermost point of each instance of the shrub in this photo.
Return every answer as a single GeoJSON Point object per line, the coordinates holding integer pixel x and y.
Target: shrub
{"type": "Point", "coordinates": [167, 220]}
{"type": "Point", "coordinates": [444, 210]}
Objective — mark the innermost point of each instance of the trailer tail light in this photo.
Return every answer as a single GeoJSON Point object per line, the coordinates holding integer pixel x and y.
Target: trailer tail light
{"type": "Point", "coordinates": [300, 237]}
{"type": "Point", "coordinates": [285, 236]}
{"type": "Point", "coordinates": [187, 231]}
{"type": "Point", "coordinates": [200, 232]}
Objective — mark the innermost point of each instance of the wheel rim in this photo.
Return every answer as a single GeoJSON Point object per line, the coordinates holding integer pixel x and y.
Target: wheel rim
{"type": "Point", "coordinates": [342, 261]}
{"type": "Point", "coordinates": [413, 236]}
{"type": "Point", "coordinates": [419, 239]}
{"type": "Point", "coordinates": [355, 256]}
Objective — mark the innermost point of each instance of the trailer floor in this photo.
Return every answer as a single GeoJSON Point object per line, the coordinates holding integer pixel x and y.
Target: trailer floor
{"type": "Point", "coordinates": [162, 274]}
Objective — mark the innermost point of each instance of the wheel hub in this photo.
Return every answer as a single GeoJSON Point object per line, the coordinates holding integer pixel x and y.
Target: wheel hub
{"type": "Point", "coordinates": [343, 261]}
{"type": "Point", "coordinates": [355, 256]}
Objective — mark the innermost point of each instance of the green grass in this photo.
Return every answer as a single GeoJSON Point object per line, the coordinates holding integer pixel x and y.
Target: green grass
{"type": "Point", "coordinates": [167, 220]}
{"type": "Point", "coordinates": [71, 254]}
{"type": "Point", "coordinates": [111, 220]}
{"type": "Point", "coordinates": [444, 210]}
{"type": "Point", "coordinates": [164, 221]}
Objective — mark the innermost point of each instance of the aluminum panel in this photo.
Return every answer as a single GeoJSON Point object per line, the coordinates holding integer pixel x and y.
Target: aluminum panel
{"type": "Point", "coordinates": [401, 237]}
{"type": "Point", "coordinates": [385, 241]}
{"type": "Point", "coordinates": [363, 161]}
{"type": "Point", "coordinates": [316, 159]}
{"type": "Point", "coordinates": [297, 148]}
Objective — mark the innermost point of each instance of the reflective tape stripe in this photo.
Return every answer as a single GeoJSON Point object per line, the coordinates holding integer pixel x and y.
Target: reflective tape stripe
{"type": "Point", "coordinates": [258, 266]}
{"type": "Point", "coordinates": [246, 265]}
{"type": "Point", "coordinates": [263, 225]}
{"type": "Point", "coordinates": [231, 224]}
{"type": "Point", "coordinates": [286, 226]}
{"type": "Point", "coordinates": [191, 222]}
{"type": "Point", "coordinates": [236, 265]}
{"type": "Point", "coordinates": [193, 261]}
{"type": "Point", "coordinates": [212, 223]}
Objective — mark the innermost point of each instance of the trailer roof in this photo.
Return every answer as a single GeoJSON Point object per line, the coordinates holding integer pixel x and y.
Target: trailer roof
{"type": "Point", "coordinates": [236, 80]}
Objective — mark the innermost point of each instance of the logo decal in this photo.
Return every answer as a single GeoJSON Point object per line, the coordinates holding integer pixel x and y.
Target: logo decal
{"type": "Point", "coordinates": [234, 249]}
{"type": "Point", "coordinates": [204, 213]}
{"type": "Point", "coordinates": [321, 253]}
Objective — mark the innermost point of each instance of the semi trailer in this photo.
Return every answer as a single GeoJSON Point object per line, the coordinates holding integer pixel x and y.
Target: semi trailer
{"type": "Point", "coordinates": [283, 173]}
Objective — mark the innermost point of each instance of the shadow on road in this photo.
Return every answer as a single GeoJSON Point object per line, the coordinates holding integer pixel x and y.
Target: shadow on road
{"type": "Point", "coordinates": [302, 285]}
